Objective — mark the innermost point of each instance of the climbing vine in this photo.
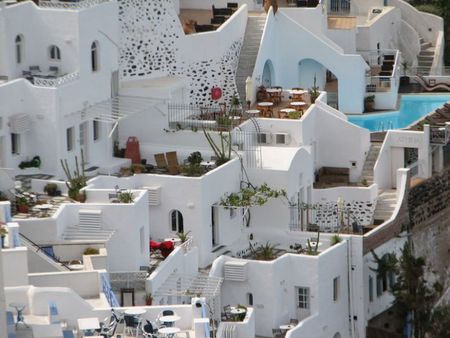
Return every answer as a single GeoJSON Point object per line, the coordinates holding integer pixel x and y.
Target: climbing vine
{"type": "Point", "coordinates": [252, 196]}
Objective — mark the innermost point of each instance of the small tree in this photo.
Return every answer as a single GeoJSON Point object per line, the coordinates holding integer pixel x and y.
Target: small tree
{"type": "Point", "coordinates": [413, 296]}
{"type": "Point", "coordinates": [222, 151]}
{"type": "Point", "coordinates": [76, 181]}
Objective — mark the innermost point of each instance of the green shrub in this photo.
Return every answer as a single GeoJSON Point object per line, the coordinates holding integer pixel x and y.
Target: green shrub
{"type": "Point", "coordinates": [91, 251]}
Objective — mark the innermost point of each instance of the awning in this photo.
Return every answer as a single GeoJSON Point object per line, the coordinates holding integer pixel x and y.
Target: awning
{"type": "Point", "coordinates": [200, 285]}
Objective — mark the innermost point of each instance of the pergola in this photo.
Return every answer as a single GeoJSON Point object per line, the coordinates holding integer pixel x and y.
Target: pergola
{"type": "Point", "coordinates": [118, 108]}
{"type": "Point", "coordinates": [200, 285]}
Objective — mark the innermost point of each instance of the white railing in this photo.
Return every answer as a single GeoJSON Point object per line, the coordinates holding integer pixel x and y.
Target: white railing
{"type": "Point", "coordinates": [76, 5]}
{"type": "Point", "coordinates": [56, 82]}
{"type": "Point", "coordinates": [187, 244]}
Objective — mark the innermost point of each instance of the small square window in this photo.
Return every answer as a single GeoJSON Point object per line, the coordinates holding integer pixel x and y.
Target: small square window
{"type": "Point", "coordinates": [15, 143]}
{"type": "Point", "coordinates": [336, 289]}
{"type": "Point", "coordinates": [70, 138]}
{"type": "Point", "coordinates": [96, 130]}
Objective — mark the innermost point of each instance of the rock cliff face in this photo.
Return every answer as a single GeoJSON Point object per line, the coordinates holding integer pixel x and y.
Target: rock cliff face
{"type": "Point", "coordinates": [429, 213]}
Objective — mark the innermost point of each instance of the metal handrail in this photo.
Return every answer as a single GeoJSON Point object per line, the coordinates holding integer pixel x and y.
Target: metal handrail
{"type": "Point", "coordinates": [39, 248]}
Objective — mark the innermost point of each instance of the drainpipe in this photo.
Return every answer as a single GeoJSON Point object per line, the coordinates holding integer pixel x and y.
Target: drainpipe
{"type": "Point", "coordinates": [350, 287]}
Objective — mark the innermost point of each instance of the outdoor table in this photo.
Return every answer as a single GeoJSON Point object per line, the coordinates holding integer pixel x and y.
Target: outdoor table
{"type": "Point", "coordinates": [286, 327]}
{"type": "Point", "coordinates": [265, 104]}
{"type": "Point", "coordinates": [19, 308]}
{"type": "Point", "coordinates": [88, 324]}
{"type": "Point", "coordinates": [136, 312]}
{"type": "Point", "coordinates": [273, 90]}
{"type": "Point", "coordinates": [253, 112]}
{"type": "Point", "coordinates": [169, 331]}
{"type": "Point", "coordinates": [299, 105]}
{"type": "Point", "coordinates": [169, 320]}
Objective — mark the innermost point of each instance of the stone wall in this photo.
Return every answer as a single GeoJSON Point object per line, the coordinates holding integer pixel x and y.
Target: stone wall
{"type": "Point", "coordinates": [429, 198]}
{"type": "Point", "coordinates": [152, 45]}
{"type": "Point", "coordinates": [429, 210]}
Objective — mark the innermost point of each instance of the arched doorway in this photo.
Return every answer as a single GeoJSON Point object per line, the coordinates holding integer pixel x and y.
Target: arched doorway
{"type": "Point", "coordinates": [267, 79]}
{"type": "Point", "coordinates": [309, 69]}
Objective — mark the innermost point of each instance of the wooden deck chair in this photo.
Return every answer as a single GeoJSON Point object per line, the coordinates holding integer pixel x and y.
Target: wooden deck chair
{"type": "Point", "coordinates": [172, 163]}
{"type": "Point", "coordinates": [160, 160]}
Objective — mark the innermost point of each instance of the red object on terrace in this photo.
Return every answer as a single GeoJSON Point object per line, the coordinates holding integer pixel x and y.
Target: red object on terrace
{"type": "Point", "coordinates": [165, 247]}
{"type": "Point", "coordinates": [216, 93]}
{"type": "Point", "coordinates": [132, 150]}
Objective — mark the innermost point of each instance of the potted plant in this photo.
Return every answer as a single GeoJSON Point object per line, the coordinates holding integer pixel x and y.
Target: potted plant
{"type": "Point", "coordinates": [51, 189]}
{"type": "Point", "coordinates": [314, 91]}
{"type": "Point", "coordinates": [183, 236]}
{"type": "Point", "coordinates": [91, 251]}
{"type": "Point", "coordinates": [369, 103]}
{"type": "Point", "coordinates": [404, 80]}
{"type": "Point", "coordinates": [76, 181]}
{"type": "Point", "coordinates": [125, 197]}
{"type": "Point", "coordinates": [22, 205]}
{"type": "Point", "coordinates": [3, 233]}
{"type": "Point", "coordinates": [269, 3]}
{"type": "Point", "coordinates": [294, 115]}
{"type": "Point", "coordinates": [148, 298]}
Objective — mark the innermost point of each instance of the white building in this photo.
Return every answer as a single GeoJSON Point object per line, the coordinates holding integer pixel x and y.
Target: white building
{"type": "Point", "coordinates": [78, 77]}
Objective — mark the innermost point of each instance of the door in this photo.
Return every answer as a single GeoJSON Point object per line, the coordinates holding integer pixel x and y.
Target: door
{"type": "Point", "coordinates": [84, 139]}
{"type": "Point", "coordinates": [303, 302]}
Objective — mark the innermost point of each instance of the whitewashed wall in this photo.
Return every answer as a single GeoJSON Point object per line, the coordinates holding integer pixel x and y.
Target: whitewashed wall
{"type": "Point", "coordinates": [389, 159]}
{"type": "Point", "coordinates": [427, 25]}
{"type": "Point", "coordinates": [178, 262]}
{"type": "Point", "coordinates": [278, 47]}
{"type": "Point", "coordinates": [275, 299]}
{"type": "Point", "coordinates": [383, 29]}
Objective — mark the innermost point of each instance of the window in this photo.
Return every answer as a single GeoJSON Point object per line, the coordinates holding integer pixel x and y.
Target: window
{"type": "Point", "coordinates": [142, 239]}
{"type": "Point", "coordinates": [379, 286]}
{"type": "Point", "coordinates": [94, 56]}
{"type": "Point", "coordinates": [96, 130]}
{"type": "Point", "coordinates": [370, 288]}
{"type": "Point", "coordinates": [69, 138]}
{"type": "Point", "coordinates": [19, 51]}
{"type": "Point", "coordinates": [176, 221]}
{"type": "Point", "coordinates": [249, 299]}
{"type": "Point", "coordinates": [336, 289]}
{"type": "Point", "coordinates": [54, 53]}
{"type": "Point", "coordinates": [303, 298]}
{"type": "Point", "coordinates": [15, 143]}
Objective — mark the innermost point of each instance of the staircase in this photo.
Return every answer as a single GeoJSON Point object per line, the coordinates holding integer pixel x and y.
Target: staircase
{"type": "Point", "coordinates": [249, 51]}
{"type": "Point", "coordinates": [83, 233]}
{"type": "Point", "coordinates": [367, 172]}
{"type": "Point", "coordinates": [385, 206]}
{"type": "Point", "coordinates": [425, 57]}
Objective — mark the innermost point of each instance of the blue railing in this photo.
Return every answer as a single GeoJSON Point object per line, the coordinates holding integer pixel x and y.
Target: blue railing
{"type": "Point", "coordinates": [107, 290]}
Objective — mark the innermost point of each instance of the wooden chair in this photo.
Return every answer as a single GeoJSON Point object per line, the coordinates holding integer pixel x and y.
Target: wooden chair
{"type": "Point", "coordinates": [160, 160]}
{"type": "Point", "coordinates": [172, 163]}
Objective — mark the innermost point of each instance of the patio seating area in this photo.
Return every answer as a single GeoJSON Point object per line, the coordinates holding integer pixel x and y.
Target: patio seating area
{"type": "Point", "coordinates": [170, 163]}
{"type": "Point", "coordinates": [197, 21]}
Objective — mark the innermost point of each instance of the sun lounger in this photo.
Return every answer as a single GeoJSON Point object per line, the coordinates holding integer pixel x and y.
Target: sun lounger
{"type": "Point", "coordinates": [430, 88]}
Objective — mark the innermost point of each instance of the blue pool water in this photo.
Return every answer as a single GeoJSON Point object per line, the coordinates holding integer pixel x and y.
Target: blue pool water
{"type": "Point", "coordinates": [412, 108]}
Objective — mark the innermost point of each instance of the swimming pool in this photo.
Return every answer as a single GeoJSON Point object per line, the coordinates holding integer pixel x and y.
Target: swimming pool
{"type": "Point", "coordinates": [412, 108]}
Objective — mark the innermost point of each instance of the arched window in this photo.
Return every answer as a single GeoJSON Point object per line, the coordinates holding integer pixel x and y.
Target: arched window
{"type": "Point", "coordinates": [54, 53]}
{"type": "Point", "coordinates": [94, 56]}
{"type": "Point", "coordinates": [176, 220]}
{"type": "Point", "coordinates": [19, 48]}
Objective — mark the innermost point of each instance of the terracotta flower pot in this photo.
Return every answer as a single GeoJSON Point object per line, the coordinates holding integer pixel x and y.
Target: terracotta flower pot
{"type": "Point", "coordinates": [23, 208]}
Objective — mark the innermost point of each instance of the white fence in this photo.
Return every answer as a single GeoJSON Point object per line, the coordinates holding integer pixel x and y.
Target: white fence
{"type": "Point", "coordinates": [56, 82]}
{"type": "Point", "coordinates": [81, 4]}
